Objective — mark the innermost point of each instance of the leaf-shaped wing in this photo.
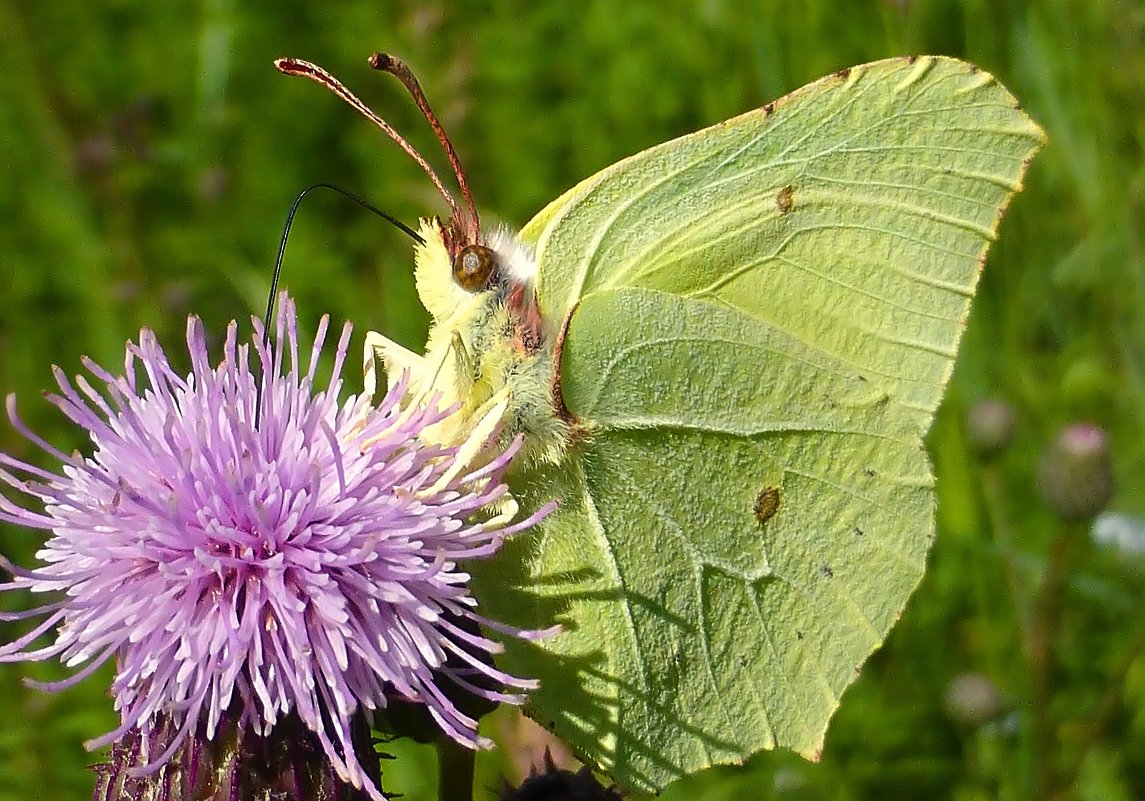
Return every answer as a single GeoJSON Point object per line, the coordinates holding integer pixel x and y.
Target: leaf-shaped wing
{"type": "Point", "coordinates": [765, 314]}
{"type": "Point", "coordinates": [853, 214]}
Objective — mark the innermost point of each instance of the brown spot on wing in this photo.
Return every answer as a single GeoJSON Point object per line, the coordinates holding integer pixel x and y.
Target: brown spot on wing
{"type": "Point", "coordinates": [786, 198]}
{"type": "Point", "coordinates": [766, 504]}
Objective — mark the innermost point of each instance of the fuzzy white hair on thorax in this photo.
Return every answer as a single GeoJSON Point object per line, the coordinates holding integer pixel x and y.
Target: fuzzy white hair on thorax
{"type": "Point", "coordinates": [516, 257]}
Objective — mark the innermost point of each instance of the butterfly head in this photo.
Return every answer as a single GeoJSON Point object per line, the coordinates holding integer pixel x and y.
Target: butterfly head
{"type": "Point", "coordinates": [487, 344]}
{"type": "Point", "coordinates": [458, 267]}
{"type": "Point", "coordinates": [459, 280]}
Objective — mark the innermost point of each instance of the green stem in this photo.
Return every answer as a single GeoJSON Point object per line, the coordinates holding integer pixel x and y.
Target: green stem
{"type": "Point", "coordinates": [1105, 711]}
{"type": "Point", "coordinates": [998, 519]}
{"type": "Point", "coordinates": [994, 494]}
{"type": "Point", "coordinates": [1046, 617]}
{"type": "Point", "coordinates": [455, 768]}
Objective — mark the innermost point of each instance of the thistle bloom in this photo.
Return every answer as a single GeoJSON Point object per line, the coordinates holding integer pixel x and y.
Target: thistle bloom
{"type": "Point", "coordinates": [249, 548]}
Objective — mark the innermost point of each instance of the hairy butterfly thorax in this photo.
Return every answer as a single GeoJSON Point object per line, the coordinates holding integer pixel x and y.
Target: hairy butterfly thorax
{"type": "Point", "coordinates": [489, 351]}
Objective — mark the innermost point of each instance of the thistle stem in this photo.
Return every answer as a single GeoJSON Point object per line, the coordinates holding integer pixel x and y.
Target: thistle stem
{"type": "Point", "coordinates": [1105, 712]}
{"type": "Point", "coordinates": [1046, 614]}
{"type": "Point", "coordinates": [455, 770]}
{"type": "Point", "coordinates": [994, 494]}
{"type": "Point", "coordinates": [998, 517]}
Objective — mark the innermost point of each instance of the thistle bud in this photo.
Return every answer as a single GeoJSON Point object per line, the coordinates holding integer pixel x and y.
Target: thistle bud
{"type": "Point", "coordinates": [972, 699]}
{"type": "Point", "coordinates": [551, 783]}
{"type": "Point", "coordinates": [1076, 476]}
{"type": "Point", "coordinates": [789, 782]}
{"type": "Point", "coordinates": [990, 426]}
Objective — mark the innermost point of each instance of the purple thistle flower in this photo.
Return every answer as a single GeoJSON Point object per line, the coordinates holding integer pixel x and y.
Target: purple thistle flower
{"type": "Point", "coordinates": [261, 554]}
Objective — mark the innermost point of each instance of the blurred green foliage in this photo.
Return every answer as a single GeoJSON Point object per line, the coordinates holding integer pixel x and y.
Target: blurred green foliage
{"type": "Point", "coordinates": [150, 152]}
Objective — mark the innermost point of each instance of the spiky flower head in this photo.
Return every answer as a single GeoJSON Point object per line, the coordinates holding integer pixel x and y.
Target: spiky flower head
{"type": "Point", "coordinates": [246, 548]}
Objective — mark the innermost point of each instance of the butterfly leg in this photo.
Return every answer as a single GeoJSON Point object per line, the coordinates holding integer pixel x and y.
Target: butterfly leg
{"type": "Point", "coordinates": [395, 360]}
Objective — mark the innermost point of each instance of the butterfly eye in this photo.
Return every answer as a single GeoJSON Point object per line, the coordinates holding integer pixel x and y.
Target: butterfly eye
{"type": "Point", "coordinates": [473, 267]}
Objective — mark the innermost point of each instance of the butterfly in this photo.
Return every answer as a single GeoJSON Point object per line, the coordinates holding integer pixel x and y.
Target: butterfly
{"type": "Point", "coordinates": [722, 354]}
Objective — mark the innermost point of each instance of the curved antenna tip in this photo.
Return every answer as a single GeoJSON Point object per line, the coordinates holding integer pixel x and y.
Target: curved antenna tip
{"type": "Point", "coordinates": [469, 225]}
{"type": "Point", "coordinates": [305, 69]}
{"type": "Point", "coordinates": [380, 61]}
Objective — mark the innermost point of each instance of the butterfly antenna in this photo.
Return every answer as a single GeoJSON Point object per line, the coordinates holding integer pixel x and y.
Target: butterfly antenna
{"type": "Point", "coordinates": [295, 66]}
{"type": "Point", "coordinates": [396, 67]}
{"type": "Point", "coordinates": [274, 279]}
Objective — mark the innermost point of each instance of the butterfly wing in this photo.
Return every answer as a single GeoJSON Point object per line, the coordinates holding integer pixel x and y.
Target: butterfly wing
{"type": "Point", "coordinates": [764, 316]}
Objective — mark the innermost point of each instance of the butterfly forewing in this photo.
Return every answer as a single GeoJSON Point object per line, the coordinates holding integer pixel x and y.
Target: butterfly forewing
{"type": "Point", "coordinates": [852, 214]}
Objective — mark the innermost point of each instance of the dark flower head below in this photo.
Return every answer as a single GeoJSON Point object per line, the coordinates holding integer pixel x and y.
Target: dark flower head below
{"type": "Point", "coordinates": [243, 543]}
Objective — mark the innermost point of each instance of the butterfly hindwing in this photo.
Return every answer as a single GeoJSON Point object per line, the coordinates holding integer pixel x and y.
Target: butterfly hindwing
{"type": "Point", "coordinates": [742, 629]}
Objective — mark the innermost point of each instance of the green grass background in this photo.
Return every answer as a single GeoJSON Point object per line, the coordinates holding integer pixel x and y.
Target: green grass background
{"type": "Point", "coordinates": [149, 152]}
